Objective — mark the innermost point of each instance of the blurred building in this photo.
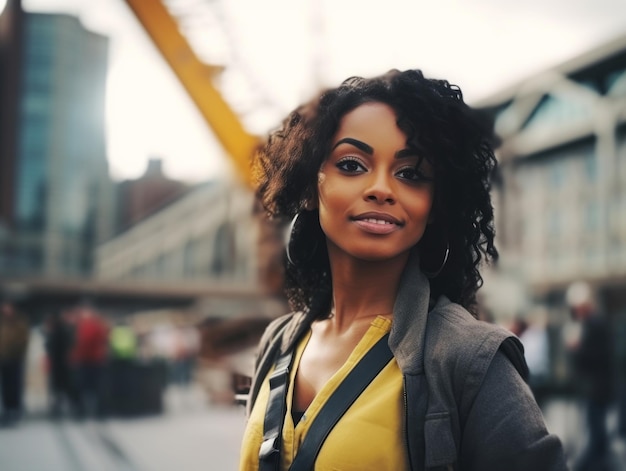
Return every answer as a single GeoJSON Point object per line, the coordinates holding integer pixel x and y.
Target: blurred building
{"type": "Point", "coordinates": [207, 235]}
{"type": "Point", "coordinates": [56, 201]}
{"type": "Point", "coordinates": [560, 198]}
{"type": "Point", "coordinates": [211, 237]}
{"type": "Point", "coordinates": [141, 197]}
{"type": "Point", "coordinates": [561, 194]}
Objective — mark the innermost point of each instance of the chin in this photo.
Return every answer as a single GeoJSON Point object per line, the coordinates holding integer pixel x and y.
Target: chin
{"type": "Point", "coordinates": [378, 255]}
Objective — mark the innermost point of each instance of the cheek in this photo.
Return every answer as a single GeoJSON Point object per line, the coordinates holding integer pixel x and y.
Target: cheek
{"type": "Point", "coordinates": [422, 206]}
{"type": "Point", "coordinates": [333, 203]}
{"type": "Point", "coordinates": [335, 195]}
{"type": "Point", "coordinates": [330, 190]}
{"type": "Point", "coordinates": [321, 185]}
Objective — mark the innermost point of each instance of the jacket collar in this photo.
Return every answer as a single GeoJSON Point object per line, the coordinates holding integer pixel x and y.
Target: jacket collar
{"type": "Point", "coordinates": [409, 318]}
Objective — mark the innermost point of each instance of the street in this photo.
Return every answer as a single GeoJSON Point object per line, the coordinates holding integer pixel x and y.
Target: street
{"type": "Point", "coordinates": [191, 435]}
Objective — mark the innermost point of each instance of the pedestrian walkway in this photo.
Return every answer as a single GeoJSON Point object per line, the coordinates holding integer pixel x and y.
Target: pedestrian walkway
{"type": "Point", "coordinates": [565, 418]}
{"type": "Point", "coordinates": [190, 436]}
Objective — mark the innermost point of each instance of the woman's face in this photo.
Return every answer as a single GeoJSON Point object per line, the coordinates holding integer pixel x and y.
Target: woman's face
{"type": "Point", "coordinates": [373, 204]}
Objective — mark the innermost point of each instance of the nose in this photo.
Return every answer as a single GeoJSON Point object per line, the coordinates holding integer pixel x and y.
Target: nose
{"type": "Point", "coordinates": [380, 189]}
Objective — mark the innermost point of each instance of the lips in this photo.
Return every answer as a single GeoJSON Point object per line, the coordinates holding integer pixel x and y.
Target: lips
{"type": "Point", "coordinates": [377, 223]}
{"type": "Point", "coordinates": [377, 218]}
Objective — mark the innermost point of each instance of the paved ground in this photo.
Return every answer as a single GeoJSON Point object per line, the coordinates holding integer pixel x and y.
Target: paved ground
{"type": "Point", "coordinates": [190, 436]}
{"type": "Point", "coordinates": [565, 418]}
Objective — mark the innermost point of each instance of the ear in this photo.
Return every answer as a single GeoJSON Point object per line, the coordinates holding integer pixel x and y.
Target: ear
{"type": "Point", "coordinates": [310, 204]}
{"type": "Point", "coordinates": [310, 200]}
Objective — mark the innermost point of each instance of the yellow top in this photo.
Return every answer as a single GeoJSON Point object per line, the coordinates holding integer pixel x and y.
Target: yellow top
{"type": "Point", "coordinates": [368, 437]}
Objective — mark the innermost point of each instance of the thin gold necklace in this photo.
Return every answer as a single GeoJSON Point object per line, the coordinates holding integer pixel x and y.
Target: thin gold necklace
{"type": "Point", "coordinates": [331, 314]}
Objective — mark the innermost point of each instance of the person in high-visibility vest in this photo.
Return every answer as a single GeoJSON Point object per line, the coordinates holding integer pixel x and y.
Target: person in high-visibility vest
{"type": "Point", "coordinates": [122, 341]}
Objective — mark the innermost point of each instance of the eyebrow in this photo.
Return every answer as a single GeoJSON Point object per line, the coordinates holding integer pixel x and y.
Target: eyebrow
{"type": "Point", "coordinates": [356, 143]}
{"type": "Point", "coordinates": [401, 154]}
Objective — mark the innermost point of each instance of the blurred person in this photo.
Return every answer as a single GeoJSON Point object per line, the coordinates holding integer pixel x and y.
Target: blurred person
{"type": "Point", "coordinates": [122, 341]}
{"type": "Point", "coordinates": [536, 344]}
{"type": "Point", "coordinates": [59, 341]}
{"type": "Point", "coordinates": [386, 181]}
{"type": "Point", "coordinates": [592, 357]}
{"type": "Point", "coordinates": [518, 326]}
{"type": "Point", "coordinates": [14, 337]}
{"type": "Point", "coordinates": [161, 341]}
{"type": "Point", "coordinates": [89, 357]}
{"type": "Point", "coordinates": [186, 344]}
{"type": "Point", "coordinates": [122, 373]}
{"type": "Point", "coordinates": [145, 347]}
{"type": "Point", "coordinates": [621, 379]}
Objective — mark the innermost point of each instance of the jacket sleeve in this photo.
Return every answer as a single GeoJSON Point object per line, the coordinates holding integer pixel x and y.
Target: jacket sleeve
{"type": "Point", "coordinates": [505, 428]}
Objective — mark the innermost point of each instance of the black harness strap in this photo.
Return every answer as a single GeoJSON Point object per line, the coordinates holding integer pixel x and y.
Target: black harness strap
{"type": "Point", "coordinates": [336, 406]}
{"type": "Point", "coordinates": [340, 401]}
{"type": "Point", "coordinates": [269, 453]}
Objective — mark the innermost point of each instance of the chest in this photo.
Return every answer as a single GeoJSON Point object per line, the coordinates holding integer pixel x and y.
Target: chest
{"type": "Point", "coordinates": [321, 359]}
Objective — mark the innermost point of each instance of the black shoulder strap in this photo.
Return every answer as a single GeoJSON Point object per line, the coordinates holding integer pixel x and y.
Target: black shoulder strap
{"type": "Point", "coordinates": [275, 336]}
{"type": "Point", "coordinates": [269, 453]}
{"type": "Point", "coordinates": [340, 401]}
{"type": "Point", "coordinates": [269, 346]}
{"type": "Point", "coordinates": [336, 406]}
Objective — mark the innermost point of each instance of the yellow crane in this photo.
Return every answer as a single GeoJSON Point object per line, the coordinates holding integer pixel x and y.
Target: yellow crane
{"type": "Point", "coordinates": [197, 79]}
{"type": "Point", "coordinates": [164, 29]}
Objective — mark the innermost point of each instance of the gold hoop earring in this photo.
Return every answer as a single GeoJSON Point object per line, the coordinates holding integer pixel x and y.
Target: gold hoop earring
{"type": "Point", "coordinates": [289, 237]}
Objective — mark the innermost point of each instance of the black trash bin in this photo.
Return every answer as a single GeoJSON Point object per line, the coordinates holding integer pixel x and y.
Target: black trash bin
{"type": "Point", "coordinates": [134, 387]}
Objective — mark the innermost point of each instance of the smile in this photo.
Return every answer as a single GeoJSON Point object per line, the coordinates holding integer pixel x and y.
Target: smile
{"type": "Point", "coordinates": [377, 223]}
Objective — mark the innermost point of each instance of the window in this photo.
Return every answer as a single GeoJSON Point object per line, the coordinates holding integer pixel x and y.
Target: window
{"type": "Point", "coordinates": [592, 217]}
{"type": "Point", "coordinates": [591, 168]}
{"type": "Point", "coordinates": [557, 110]}
{"type": "Point", "coordinates": [224, 251]}
{"type": "Point", "coordinates": [557, 174]}
{"type": "Point", "coordinates": [616, 83]}
{"type": "Point", "coordinates": [554, 223]}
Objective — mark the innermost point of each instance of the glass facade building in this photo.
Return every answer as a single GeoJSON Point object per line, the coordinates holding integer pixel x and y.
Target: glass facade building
{"type": "Point", "coordinates": [62, 195]}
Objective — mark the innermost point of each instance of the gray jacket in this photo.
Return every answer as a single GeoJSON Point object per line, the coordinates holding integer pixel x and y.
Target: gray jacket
{"type": "Point", "coordinates": [467, 404]}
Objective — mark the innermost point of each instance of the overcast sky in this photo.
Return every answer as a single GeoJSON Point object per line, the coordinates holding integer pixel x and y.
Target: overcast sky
{"type": "Point", "coordinates": [287, 49]}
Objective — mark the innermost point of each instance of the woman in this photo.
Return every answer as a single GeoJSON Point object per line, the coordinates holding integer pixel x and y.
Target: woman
{"type": "Point", "coordinates": [389, 181]}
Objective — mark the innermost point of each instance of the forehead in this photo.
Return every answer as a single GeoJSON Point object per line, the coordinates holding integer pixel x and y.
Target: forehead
{"type": "Point", "coordinates": [372, 121]}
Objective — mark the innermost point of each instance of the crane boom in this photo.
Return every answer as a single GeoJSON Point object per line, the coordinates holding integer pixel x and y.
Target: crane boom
{"type": "Point", "coordinates": [196, 78]}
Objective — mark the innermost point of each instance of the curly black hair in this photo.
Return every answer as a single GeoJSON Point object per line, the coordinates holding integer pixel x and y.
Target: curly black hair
{"type": "Point", "coordinates": [456, 140]}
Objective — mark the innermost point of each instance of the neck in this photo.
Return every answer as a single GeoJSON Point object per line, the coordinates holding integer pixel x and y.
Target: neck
{"type": "Point", "coordinates": [363, 290]}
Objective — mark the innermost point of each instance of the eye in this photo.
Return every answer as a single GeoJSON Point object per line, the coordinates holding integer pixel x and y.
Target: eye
{"type": "Point", "coordinates": [351, 165]}
{"type": "Point", "coordinates": [412, 174]}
